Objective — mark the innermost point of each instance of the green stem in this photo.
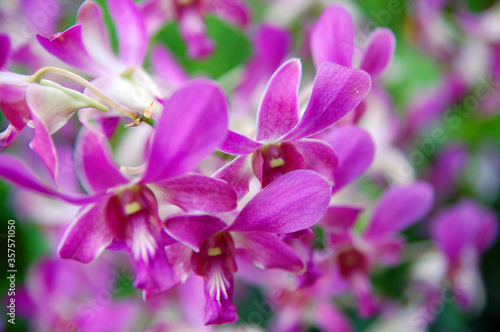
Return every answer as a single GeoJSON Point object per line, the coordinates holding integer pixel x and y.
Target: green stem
{"type": "Point", "coordinates": [36, 78]}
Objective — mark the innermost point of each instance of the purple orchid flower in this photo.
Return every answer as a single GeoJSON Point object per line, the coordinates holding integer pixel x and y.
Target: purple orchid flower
{"type": "Point", "coordinates": [332, 39]}
{"type": "Point", "coordinates": [87, 47]}
{"type": "Point", "coordinates": [354, 256]}
{"type": "Point", "coordinates": [211, 243]}
{"type": "Point", "coordinates": [463, 232]}
{"type": "Point", "coordinates": [189, 14]}
{"type": "Point", "coordinates": [281, 144]}
{"type": "Point", "coordinates": [65, 296]}
{"type": "Point", "coordinates": [122, 212]}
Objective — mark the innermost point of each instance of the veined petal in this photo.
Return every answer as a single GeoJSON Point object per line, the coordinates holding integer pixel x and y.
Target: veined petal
{"type": "Point", "coordinates": [94, 161]}
{"type": "Point", "coordinates": [399, 208]}
{"type": "Point", "coordinates": [70, 48]}
{"type": "Point", "coordinates": [87, 236]}
{"type": "Point", "coordinates": [238, 174]}
{"type": "Point", "coordinates": [238, 144]}
{"type": "Point", "coordinates": [319, 157]}
{"type": "Point", "coordinates": [96, 38]}
{"type": "Point", "coordinates": [355, 151]}
{"type": "Point", "coordinates": [131, 30]}
{"type": "Point", "coordinates": [291, 203]}
{"type": "Point", "coordinates": [272, 161]}
{"type": "Point", "coordinates": [193, 230]}
{"type": "Point", "coordinates": [336, 91]}
{"type": "Point", "coordinates": [278, 109]}
{"type": "Point", "coordinates": [379, 52]}
{"type": "Point", "coordinates": [332, 38]}
{"type": "Point", "coordinates": [196, 192]}
{"type": "Point", "coordinates": [194, 121]}
{"type": "Point", "coordinates": [268, 251]}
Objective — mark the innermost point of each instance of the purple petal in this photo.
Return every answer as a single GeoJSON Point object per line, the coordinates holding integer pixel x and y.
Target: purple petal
{"type": "Point", "coordinates": [69, 47]}
{"type": "Point", "coordinates": [363, 291]}
{"type": "Point", "coordinates": [13, 98]}
{"type": "Point", "coordinates": [269, 252]}
{"type": "Point", "coordinates": [278, 109]}
{"type": "Point", "coordinates": [196, 192]}
{"type": "Point", "coordinates": [340, 219]}
{"type": "Point", "coordinates": [194, 121]}
{"type": "Point", "coordinates": [166, 67]}
{"type": "Point", "coordinates": [355, 151]}
{"type": "Point", "coordinates": [14, 171]}
{"type": "Point", "coordinates": [379, 52]}
{"type": "Point", "coordinates": [238, 144]}
{"type": "Point", "coordinates": [336, 91]}
{"type": "Point", "coordinates": [193, 230]}
{"type": "Point", "coordinates": [4, 49]}
{"type": "Point", "coordinates": [131, 31]}
{"type": "Point", "coordinates": [270, 47]}
{"type": "Point", "coordinates": [398, 208]}
{"type": "Point", "coordinates": [233, 11]}
{"type": "Point", "coordinates": [179, 258]}
{"type": "Point", "coordinates": [155, 275]}
{"type": "Point", "coordinates": [291, 203]}
{"type": "Point", "coordinates": [238, 174]}
{"type": "Point", "coordinates": [388, 251]}
{"type": "Point", "coordinates": [96, 38]}
{"type": "Point", "coordinates": [87, 236]}
{"type": "Point", "coordinates": [463, 226]}
{"type": "Point", "coordinates": [93, 158]}
{"type": "Point", "coordinates": [332, 38]}
{"type": "Point", "coordinates": [45, 148]}
{"type": "Point", "coordinates": [193, 31]}
{"type": "Point", "coordinates": [328, 318]}
{"type": "Point", "coordinates": [319, 157]}
{"type": "Point", "coordinates": [8, 136]}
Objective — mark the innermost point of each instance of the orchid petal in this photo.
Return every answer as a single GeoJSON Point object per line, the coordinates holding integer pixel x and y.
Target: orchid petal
{"type": "Point", "coordinates": [319, 157]}
{"type": "Point", "coordinates": [238, 144]}
{"type": "Point", "coordinates": [154, 276]}
{"type": "Point", "coordinates": [194, 121]}
{"type": "Point", "coordinates": [291, 203]}
{"type": "Point", "coordinates": [278, 109]}
{"type": "Point", "coordinates": [233, 11]}
{"type": "Point", "coordinates": [355, 151]}
{"type": "Point", "coordinates": [96, 166]}
{"type": "Point", "coordinates": [340, 219]}
{"type": "Point", "coordinates": [193, 31]}
{"type": "Point", "coordinates": [268, 251]}
{"type": "Point", "coordinates": [87, 236]}
{"type": "Point", "coordinates": [14, 171]}
{"type": "Point", "coordinates": [332, 38]}
{"type": "Point", "coordinates": [238, 174]}
{"type": "Point", "coordinates": [13, 98]}
{"type": "Point", "coordinates": [45, 148]}
{"type": "Point", "coordinates": [399, 208]}
{"type": "Point", "coordinates": [336, 91]}
{"type": "Point", "coordinates": [4, 49]}
{"type": "Point", "coordinates": [96, 38]}
{"type": "Point", "coordinates": [131, 30]}
{"type": "Point", "coordinates": [196, 192]}
{"type": "Point", "coordinates": [379, 52]}
{"type": "Point", "coordinates": [165, 66]}
{"type": "Point", "coordinates": [70, 48]}
{"type": "Point", "coordinates": [8, 136]}
{"type": "Point", "coordinates": [328, 318]}
{"type": "Point", "coordinates": [193, 230]}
